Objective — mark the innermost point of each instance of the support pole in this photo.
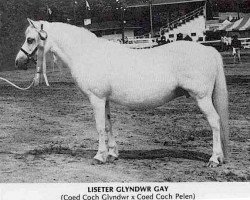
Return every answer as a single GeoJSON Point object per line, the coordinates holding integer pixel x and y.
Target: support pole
{"type": "Point", "coordinates": [123, 25]}
{"type": "Point", "coordinates": [151, 18]}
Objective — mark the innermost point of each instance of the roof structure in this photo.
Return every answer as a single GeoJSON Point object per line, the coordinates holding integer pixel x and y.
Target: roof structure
{"type": "Point", "coordinates": [110, 25]}
{"type": "Point", "coordinates": [143, 3]}
{"type": "Point", "coordinates": [239, 25]}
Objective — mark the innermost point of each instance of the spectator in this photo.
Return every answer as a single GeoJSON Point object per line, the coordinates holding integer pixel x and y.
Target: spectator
{"type": "Point", "coordinates": [188, 38]}
{"type": "Point", "coordinates": [226, 41]}
{"type": "Point", "coordinates": [125, 40]}
{"type": "Point", "coordinates": [223, 43]}
{"type": "Point", "coordinates": [179, 36]}
{"type": "Point", "coordinates": [236, 45]}
{"type": "Point", "coordinates": [162, 40]}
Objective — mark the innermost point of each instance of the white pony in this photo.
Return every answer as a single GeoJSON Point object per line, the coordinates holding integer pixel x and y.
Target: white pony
{"type": "Point", "coordinates": [107, 71]}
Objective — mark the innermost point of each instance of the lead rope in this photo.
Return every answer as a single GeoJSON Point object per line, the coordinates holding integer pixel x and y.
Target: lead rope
{"type": "Point", "coordinates": [16, 86]}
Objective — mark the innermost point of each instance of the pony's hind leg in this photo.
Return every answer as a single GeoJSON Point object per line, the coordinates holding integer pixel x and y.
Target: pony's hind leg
{"type": "Point", "coordinates": [207, 107]}
{"type": "Point", "coordinates": [99, 112]}
{"type": "Point", "coordinates": [112, 146]}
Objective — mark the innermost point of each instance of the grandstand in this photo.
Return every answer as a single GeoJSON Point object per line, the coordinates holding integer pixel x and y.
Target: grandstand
{"type": "Point", "coordinates": [151, 19]}
{"type": "Point", "coordinates": [169, 17]}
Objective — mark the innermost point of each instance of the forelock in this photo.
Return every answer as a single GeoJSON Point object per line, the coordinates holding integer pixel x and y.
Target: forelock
{"type": "Point", "coordinates": [30, 30]}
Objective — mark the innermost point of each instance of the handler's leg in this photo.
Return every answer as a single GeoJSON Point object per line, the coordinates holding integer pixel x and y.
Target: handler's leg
{"type": "Point", "coordinates": [99, 112]}
{"type": "Point", "coordinates": [235, 58]}
{"type": "Point", "coordinates": [112, 146]}
{"type": "Point", "coordinates": [234, 54]}
{"type": "Point", "coordinates": [206, 106]}
{"type": "Point", "coordinates": [239, 56]}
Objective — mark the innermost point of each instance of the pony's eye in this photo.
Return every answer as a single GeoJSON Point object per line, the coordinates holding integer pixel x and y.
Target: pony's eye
{"type": "Point", "coordinates": [30, 40]}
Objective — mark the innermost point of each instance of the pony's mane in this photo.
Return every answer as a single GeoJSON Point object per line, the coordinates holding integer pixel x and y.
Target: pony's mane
{"type": "Point", "coordinates": [85, 33]}
{"type": "Point", "coordinates": [69, 27]}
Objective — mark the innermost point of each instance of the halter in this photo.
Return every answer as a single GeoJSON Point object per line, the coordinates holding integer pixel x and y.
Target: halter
{"type": "Point", "coordinates": [40, 49]}
{"type": "Point", "coordinates": [41, 60]}
{"type": "Point", "coordinates": [43, 36]}
{"type": "Point", "coordinates": [30, 56]}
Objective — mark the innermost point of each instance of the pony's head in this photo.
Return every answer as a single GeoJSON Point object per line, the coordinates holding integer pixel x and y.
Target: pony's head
{"type": "Point", "coordinates": [34, 35]}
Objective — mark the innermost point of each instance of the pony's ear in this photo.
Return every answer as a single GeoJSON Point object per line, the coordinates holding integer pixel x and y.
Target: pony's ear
{"type": "Point", "coordinates": [32, 23]}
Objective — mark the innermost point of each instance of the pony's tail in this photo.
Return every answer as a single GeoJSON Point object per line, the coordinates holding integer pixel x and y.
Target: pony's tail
{"type": "Point", "coordinates": [220, 100]}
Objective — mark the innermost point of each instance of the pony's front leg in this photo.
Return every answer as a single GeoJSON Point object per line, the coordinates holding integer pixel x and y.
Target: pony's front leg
{"type": "Point", "coordinates": [99, 112]}
{"type": "Point", "coordinates": [44, 71]}
{"type": "Point", "coordinates": [112, 146]}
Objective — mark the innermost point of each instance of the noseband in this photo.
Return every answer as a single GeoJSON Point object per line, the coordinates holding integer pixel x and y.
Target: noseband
{"type": "Point", "coordinates": [30, 56]}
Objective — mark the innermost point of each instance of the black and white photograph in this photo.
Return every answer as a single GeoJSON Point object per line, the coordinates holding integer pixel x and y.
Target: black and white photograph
{"type": "Point", "coordinates": [102, 92]}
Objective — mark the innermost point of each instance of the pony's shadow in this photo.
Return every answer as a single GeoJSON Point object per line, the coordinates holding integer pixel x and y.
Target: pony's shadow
{"type": "Point", "coordinates": [163, 153]}
{"type": "Point", "coordinates": [125, 154]}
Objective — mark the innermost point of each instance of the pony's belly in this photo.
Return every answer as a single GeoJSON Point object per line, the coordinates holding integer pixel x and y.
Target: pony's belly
{"type": "Point", "coordinates": [144, 99]}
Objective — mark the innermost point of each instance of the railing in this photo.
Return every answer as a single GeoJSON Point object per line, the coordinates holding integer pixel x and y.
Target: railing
{"type": "Point", "coordinates": [183, 18]}
{"type": "Point", "coordinates": [141, 43]}
{"type": "Point", "coordinates": [211, 41]}
{"type": "Point", "coordinates": [245, 42]}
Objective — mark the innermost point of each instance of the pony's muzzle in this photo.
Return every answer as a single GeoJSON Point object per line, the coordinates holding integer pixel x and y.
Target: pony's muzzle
{"type": "Point", "coordinates": [21, 61]}
{"type": "Point", "coordinates": [21, 64]}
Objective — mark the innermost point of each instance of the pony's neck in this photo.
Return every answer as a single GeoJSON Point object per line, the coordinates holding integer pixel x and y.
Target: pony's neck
{"type": "Point", "coordinates": [70, 43]}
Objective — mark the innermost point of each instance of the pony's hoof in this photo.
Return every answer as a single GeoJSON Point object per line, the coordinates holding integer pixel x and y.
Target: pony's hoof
{"type": "Point", "coordinates": [212, 164]}
{"type": "Point", "coordinates": [111, 158]}
{"type": "Point", "coordinates": [96, 162]}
